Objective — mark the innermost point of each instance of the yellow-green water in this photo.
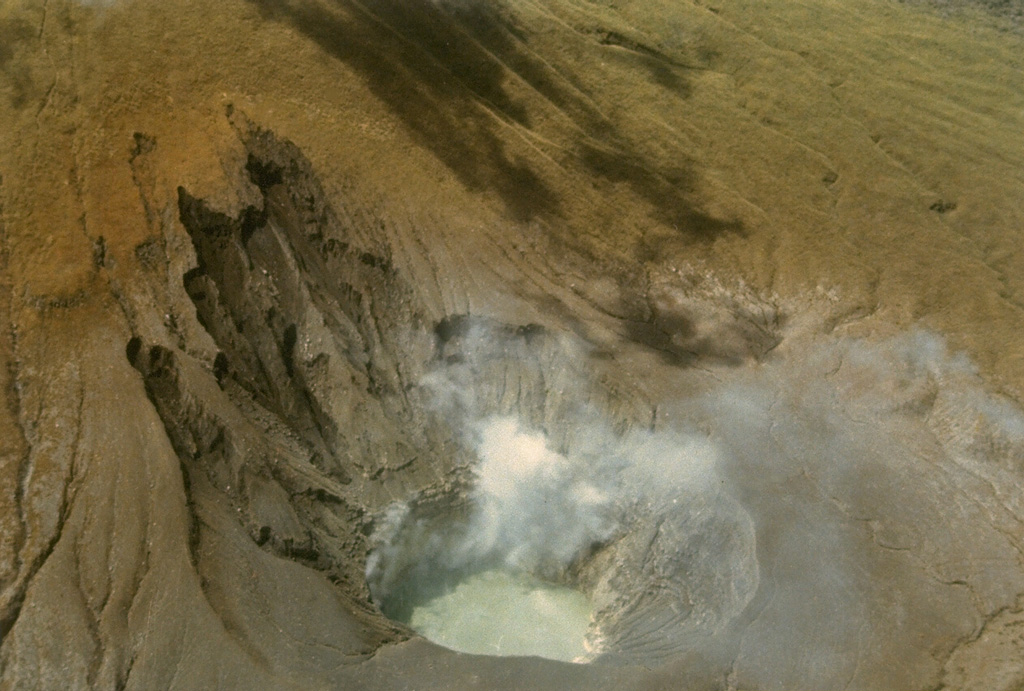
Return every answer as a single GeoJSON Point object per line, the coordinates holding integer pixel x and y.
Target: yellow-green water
{"type": "Point", "coordinates": [500, 613]}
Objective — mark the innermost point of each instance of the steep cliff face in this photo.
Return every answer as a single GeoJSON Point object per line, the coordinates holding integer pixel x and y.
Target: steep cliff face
{"type": "Point", "coordinates": [278, 276]}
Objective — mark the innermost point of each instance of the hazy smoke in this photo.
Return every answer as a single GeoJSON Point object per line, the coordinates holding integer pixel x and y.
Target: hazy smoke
{"type": "Point", "coordinates": [795, 469]}
{"type": "Point", "coordinates": [523, 489]}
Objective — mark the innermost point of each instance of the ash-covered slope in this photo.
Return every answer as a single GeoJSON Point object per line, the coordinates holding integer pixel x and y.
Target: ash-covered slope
{"type": "Point", "coordinates": [272, 270]}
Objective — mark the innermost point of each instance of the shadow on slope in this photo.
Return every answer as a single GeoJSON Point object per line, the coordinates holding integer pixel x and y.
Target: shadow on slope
{"type": "Point", "coordinates": [445, 71]}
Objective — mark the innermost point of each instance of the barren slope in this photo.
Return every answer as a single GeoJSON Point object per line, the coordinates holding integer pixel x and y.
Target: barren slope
{"type": "Point", "coordinates": [237, 238]}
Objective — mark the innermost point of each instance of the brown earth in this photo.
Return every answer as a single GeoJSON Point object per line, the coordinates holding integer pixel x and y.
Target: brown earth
{"type": "Point", "coordinates": [235, 237]}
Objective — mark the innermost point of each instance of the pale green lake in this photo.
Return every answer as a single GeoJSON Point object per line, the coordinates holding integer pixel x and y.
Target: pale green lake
{"type": "Point", "coordinates": [501, 613]}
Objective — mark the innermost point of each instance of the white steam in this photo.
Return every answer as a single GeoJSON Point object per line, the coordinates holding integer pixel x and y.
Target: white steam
{"type": "Point", "coordinates": [830, 493]}
{"type": "Point", "coordinates": [523, 490]}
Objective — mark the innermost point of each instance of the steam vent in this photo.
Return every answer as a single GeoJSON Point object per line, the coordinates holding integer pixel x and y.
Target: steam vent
{"type": "Point", "coordinates": [512, 344]}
